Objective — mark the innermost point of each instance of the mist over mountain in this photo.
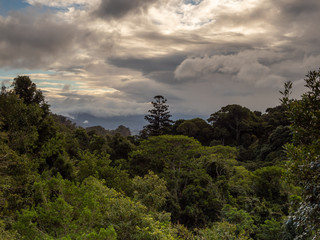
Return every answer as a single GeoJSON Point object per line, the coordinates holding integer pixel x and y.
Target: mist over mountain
{"type": "Point", "coordinates": [134, 122]}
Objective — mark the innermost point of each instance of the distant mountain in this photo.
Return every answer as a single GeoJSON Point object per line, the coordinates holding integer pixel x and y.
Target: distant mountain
{"type": "Point", "coordinates": [134, 122]}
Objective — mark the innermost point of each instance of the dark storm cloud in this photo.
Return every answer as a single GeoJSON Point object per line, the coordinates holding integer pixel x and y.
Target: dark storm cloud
{"type": "Point", "coordinates": [296, 22]}
{"type": "Point", "coordinates": [163, 77]}
{"type": "Point", "coordinates": [148, 65]}
{"type": "Point", "coordinates": [157, 68]}
{"type": "Point", "coordinates": [296, 25]}
{"type": "Point", "coordinates": [28, 41]}
{"type": "Point", "coordinates": [297, 8]}
{"type": "Point", "coordinates": [32, 40]}
{"type": "Point", "coordinates": [119, 8]}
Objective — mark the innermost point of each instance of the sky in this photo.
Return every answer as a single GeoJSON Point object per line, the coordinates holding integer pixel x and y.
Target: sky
{"type": "Point", "coordinates": [110, 58]}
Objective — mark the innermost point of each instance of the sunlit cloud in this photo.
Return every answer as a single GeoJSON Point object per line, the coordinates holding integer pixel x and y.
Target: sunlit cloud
{"type": "Point", "coordinates": [110, 57]}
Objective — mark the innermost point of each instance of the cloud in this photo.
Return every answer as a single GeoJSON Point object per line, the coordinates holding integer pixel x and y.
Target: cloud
{"type": "Point", "coordinates": [297, 9]}
{"type": "Point", "coordinates": [41, 40]}
{"type": "Point", "coordinates": [58, 3]}
{"type": "Point", "coordinates": [66, 87]}
{"type": "Point", "coordinates": [114, 56]}
{"type": "Point", "coordinates": [116, 9]}
{"type": "Point", "coordinates": [159, 69]}
{"type": "Point", "coordinates": [96, 105]}
{"type": "Point", "coordinates": [26, 41]}
{"type": "Point", "coordinates": [244, 66]}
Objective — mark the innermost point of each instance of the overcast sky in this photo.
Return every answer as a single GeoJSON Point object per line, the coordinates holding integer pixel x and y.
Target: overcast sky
{"type": "Point", "coordinates": [111, 57]}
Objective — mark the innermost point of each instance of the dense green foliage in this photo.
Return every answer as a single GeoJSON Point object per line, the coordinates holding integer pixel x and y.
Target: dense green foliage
{"type": "Point", "coordinates": [221, 179]}
{"type": "Point", "coordinates": [303, 154]}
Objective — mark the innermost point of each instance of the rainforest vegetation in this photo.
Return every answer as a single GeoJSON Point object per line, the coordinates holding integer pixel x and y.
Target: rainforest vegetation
{"type": "Point", "coordinates": [239, 174]}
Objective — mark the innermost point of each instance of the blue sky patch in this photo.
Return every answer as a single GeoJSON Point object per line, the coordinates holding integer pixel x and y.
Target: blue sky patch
{"type": "Point", "coordinates": [15, 72]}
{"type": "Point", "coordinates": [193, 2]}
{"type": "Point", "coordinates": [7, 76]}
{"type": "Point", "coordinates": [11, 5]}
{"type": "Point", "coordinates": [7, 6]}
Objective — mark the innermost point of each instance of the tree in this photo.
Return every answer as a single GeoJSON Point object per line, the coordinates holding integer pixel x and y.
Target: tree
{"type": "Point", "coordinates": [304, 154]}
{"type": "Point", "coordinates": [27, 90]}
{"type": "Point", "coordinates": [196, 128]}
{"type": "Point", "coordinates": [150, 190]}
{"type": "Point", "coordinates": [267, 184]}
{"type": "Point", "coordinates": [194, 198]}
{"type": "Point", "coordinates": [120, 147]}
{"type": "Point", "coordinates": [27, 126]}
{"type": "Point", "coordinates": [270, 230]}
{"type": "Point", "coordinates": [159, 117]}
{"type": "Point", "coordinates": [222, 231]}
{"type": "Point", "coordinates": [98, 165]}
{"type": "Point", "coordinates": [275, 117]}
{"type": "Point", "coordinates": [90, 210]}
{"type": "Point", "coordinates": [231, 122]}
{"type": "Point", "coordinates": [244, 221]}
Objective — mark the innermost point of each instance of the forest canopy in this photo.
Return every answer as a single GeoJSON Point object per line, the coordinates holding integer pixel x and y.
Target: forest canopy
{"type": "Point", "coordinates": [240, 174]}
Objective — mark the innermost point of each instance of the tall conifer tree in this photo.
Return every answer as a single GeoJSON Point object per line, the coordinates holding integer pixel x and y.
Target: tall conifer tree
{"type": "Point", "coordinates": [159, 117]}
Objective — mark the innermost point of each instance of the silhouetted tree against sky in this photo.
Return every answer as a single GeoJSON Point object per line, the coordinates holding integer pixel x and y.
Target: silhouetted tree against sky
{"type": "Point", "coordinates": [159, 117]}
{"type": "Point", "coordinates": [27, 90]}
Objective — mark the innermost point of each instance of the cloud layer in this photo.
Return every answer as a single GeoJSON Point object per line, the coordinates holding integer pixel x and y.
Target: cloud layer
{"type": "Point", "coordinates": [245, 66]}
{"type": "Point", "coordinates": [110, 57]}
{"type": "Point", "coordinates": [120, 8]}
